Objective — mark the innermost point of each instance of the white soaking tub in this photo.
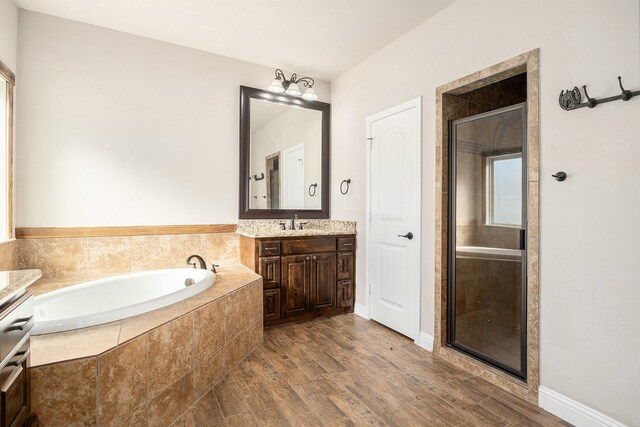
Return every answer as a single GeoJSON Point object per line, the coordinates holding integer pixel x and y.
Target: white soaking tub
{"type": "Point", "coordinates": [106, 300]}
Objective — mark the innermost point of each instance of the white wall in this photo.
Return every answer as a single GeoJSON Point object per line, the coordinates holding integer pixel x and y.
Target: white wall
{"type": "Point", "coordinates": [118, 130]}
{"type": "Point", "coordinates": [9, 34]}
{"type": "Point", "coordinates": [589, 227]}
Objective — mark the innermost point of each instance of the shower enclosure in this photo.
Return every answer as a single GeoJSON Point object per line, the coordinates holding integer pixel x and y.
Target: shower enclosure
{"type": "Point", "coordinates": [487, 286]}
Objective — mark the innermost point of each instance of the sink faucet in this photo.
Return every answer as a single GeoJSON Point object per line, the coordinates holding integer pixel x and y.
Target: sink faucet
{"type": "Point", "coordinates": [203, 265]}
{"type": "Point", "coordinates": [293, 221]}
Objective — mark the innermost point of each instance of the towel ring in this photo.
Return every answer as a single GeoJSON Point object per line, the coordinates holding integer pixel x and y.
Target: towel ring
{"type": "Point", "coordinates": [315, 188]}
{"type": "Point", "coordinates": [345, 181]}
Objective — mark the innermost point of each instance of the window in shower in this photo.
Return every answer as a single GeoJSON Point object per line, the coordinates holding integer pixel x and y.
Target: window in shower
{"type": "Point", "coordinates": [504, 190]}
{"type": "Point", "coordinates": [486, 300]}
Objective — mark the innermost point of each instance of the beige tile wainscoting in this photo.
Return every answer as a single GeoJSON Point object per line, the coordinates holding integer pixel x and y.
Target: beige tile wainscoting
{"type": "Point", "coordinates": [8, 257]}
{"type": "Point", "coordinates": [80, 258]}
{"type": "Point", "coordinates": [148, 369]}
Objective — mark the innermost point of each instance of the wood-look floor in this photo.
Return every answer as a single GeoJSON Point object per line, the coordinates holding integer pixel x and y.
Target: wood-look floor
{"type": "Point", "coordinates": [349, 371]}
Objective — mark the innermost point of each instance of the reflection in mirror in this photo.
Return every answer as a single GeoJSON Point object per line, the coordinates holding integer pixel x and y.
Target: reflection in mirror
{"type": "Point", "coordinates": [286, 156]}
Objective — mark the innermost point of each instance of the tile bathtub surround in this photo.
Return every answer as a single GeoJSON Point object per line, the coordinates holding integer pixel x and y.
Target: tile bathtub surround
{"type": "Point", "coordinates": [312, 227]}
{"type": "Point", "coordinates": [93, 257]}
{"type": "Point", "coordinates": [8, 257]}
{"type": "Point", "coordinates": [155, 377]}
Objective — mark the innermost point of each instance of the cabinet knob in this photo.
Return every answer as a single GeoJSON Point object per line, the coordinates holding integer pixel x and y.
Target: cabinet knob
{"type": "Point", "coordinates": [313, 257]}
{"type": "Point", "coordinates": [307, 258]}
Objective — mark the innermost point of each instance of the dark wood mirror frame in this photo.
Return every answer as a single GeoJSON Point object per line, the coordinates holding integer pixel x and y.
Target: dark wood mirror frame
{"type": "Point", "coordinates": [248, 93]}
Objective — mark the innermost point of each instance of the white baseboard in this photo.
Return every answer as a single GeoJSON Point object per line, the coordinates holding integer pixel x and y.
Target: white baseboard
{"type": "Point", "coordinates": [571, 411]}
{"type": "Point", "coordinates": [361, 310]}
{"type": "Point", "coordinates": [425, 341]}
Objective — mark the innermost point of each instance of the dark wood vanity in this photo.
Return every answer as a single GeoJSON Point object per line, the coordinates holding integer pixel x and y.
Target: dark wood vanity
{"type": "Point", "coordinates": [303, 276]}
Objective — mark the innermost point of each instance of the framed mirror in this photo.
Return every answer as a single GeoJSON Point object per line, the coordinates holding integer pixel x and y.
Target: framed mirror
{"type": "Point", "coordinates": [284, 156]}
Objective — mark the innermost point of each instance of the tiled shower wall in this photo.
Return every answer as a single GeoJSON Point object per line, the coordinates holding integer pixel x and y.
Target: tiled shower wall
{"type": "Point", "coordinates": [60, 258]}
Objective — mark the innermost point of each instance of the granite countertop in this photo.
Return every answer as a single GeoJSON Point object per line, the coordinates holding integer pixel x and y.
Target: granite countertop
{"type": "Point", "coordinates": [95, 340]}
{"type": "Point", "coordinates": [15, 281]}
{"type": "Point", "coordinates": [271, 228]}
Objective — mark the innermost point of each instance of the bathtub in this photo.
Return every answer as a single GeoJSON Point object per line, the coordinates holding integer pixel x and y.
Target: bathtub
{"type": "Point", "coordinates": [114, 298]}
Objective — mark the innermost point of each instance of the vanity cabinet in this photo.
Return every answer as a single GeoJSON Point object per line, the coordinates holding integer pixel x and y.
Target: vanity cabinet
{"type": "Point", "coordinates": [303, 277]}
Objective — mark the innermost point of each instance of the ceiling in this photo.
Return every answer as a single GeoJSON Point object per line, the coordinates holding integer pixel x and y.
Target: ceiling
{"type": "Point", "coordinates": [323, 38]}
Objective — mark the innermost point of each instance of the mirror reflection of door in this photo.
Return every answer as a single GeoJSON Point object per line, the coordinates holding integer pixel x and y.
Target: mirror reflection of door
{"type": "Point", "coordinates": [273, 181]}
{"type": "Point", "coordinates": [285, 146]}
{"type": "Point", "coordinates": [293, 177]}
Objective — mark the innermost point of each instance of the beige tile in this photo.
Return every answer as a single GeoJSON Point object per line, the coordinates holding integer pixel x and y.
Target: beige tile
{"type": "Point", "coordinates": [122, 382]}
{"type": "Point", "coordinates": [109, 254]}
{"type": "Point", "coordinates": [61, 346]}
{"type": "Point", "coordinates": [242, 308]}
{"type": "Point", "coordinates": [209, 328]}
{"type": "Point", "coordinates": [170, 353]}
{"type": "Point", "coordinates": [62, 257]}
{"type": "Point", "coordinates": [243, 343]}
{"type": "Point", "coordinates": [26, 254]}
{"type": "Point", "coordinates": [209, 372]}
{"type": "Point", "coordinates": [169, 405]}
{"type": "Point", "coordinates": [64, 394]}
{"type": "Point", "coordinates": [150, 252]}
{"type": "Point", "coordinates": [8, 256]}
{"type": "Point", "coordinates": [137, 325]}
{"type": "Point", "coordinates": [184, 245]}
{"type": "Point", "coordinates": [223, 248]}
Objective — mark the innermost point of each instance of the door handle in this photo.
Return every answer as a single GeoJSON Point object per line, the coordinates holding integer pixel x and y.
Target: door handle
{"type": "Point", "coordinates": [409, 235]}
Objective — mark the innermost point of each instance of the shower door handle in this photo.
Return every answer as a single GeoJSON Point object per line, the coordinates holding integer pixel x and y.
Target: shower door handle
{"type": "Point", "coordinates": [523, 239]}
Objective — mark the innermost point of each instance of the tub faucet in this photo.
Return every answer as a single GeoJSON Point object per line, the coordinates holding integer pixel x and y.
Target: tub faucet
{"type": "Point", "coordinates": [203, 265]}
{"type": "Point", "coordinates": [293, 221]}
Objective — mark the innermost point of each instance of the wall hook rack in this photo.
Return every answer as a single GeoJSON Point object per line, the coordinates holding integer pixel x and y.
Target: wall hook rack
{"type": "Point", "coordinates": [572, 99]}
{"type": "Point", "coordinates": [315, 188]}
{"type": "Point", "coordinates": [342, 185]}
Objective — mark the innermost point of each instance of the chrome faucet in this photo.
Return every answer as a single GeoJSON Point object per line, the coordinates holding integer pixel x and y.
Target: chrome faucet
{"type": "Point", "coordinates": [293, 221]}
{"type": "Point", "coordinates": [203, 264]}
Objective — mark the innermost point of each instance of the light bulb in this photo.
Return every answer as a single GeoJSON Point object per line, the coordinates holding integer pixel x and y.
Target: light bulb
{"type": "Point", "coordinates": [293, 90]}
{"type": "Point", "coordinates": [310, 94]}
{"type": "Point", "coordinates": [276, 86]}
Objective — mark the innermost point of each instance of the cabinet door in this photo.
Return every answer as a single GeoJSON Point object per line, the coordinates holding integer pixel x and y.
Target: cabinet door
{"type": "Point", "coordinates": [323, 281]}
{"type": "Point", "coordinates": [295, 285]}
{"type": "Point", "coordinates": [345, 265]}
{"type": "Point", "coordinates": [269, 269]}
{"type": "Point", "coordinates": [271, 307]}
{"type": "Point", "coordinates": [345, 293]}
{"type": "Point", "coordinates": [14, 390]}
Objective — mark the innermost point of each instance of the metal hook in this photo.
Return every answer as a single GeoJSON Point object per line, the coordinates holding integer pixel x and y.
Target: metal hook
{"type": "Point", "coordinates": [591, 101]}
{"type": "Point", "coordinates": [626, 94]}
{"type": "Point", "coordinates": [345, 181]}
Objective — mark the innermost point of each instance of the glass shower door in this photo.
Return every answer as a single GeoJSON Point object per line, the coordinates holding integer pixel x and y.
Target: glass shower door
{"type": "Point", "coordinates": [486, 301]}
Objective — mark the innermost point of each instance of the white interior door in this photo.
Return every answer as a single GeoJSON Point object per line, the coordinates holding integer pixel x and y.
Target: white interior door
{"type": "Point", "coordinates": [394, 160]}
{"type": "Point", "coordinates": [293, 177]}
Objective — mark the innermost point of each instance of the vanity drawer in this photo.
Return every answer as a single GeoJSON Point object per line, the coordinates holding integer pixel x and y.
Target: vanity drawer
{"type": "Point", "coordinates": [271, 308]}
{"type": "Point", "coordinates": [269, 269]}
{"type": "Point", "coordinates": [346, 243]}
{"type": "Point", "coordinates": [15, 323]}
{"type": "Point", "coordinates": [268, 247]}
{"type": "Point", "coordinates": [309, 246]}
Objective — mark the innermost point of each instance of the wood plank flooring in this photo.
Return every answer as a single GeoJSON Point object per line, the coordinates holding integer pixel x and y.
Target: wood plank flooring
{"type": "Point", "coordinates": [347, 371]}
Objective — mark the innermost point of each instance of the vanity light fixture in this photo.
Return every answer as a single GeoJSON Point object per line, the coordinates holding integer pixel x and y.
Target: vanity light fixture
{"type": "Point", "coordinates": [290, 87]}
